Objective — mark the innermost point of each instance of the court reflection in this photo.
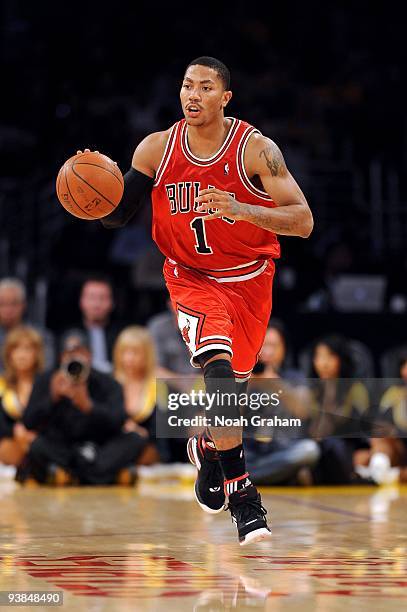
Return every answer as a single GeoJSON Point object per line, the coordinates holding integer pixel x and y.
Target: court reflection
{"type": "Point", "coordinates": [151, 548]}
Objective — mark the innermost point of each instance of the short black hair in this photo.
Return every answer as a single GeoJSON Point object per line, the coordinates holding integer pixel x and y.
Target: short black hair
{"type": "Point", "coordinates": [219, 67]}
{"type": "Point", "coordinates": [97, 278]}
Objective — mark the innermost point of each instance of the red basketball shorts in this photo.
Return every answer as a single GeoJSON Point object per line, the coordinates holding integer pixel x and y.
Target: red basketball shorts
{"type": "Point", "coordinates": [228, 316]}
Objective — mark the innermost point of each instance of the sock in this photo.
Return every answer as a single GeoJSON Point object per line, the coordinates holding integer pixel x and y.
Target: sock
{"type": "Point", "coordinates": [234, 468]}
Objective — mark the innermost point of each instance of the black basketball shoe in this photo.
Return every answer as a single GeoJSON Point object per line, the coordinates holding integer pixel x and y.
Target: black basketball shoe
{"type": "Point", "coordinates": [209, 490]}
{"type": "Point", "coordinates": [249, 515]}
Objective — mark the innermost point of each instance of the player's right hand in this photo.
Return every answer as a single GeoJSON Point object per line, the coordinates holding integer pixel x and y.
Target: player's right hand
{"type": "Point", "coordinates": [79, 152]}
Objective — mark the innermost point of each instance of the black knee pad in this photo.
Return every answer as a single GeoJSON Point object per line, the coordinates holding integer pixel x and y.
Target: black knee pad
{"type": "Point", "coordinates": [202, 359]}
{"type": "Point", "coordinates": [219, 368]}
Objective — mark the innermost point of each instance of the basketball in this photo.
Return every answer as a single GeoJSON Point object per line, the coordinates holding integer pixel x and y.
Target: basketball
{"type": "Point", "coordinates": [89, 185]}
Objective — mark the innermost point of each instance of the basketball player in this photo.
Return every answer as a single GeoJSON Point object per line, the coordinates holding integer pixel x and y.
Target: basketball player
{"type": "Point", "coordinates": [220, 193]}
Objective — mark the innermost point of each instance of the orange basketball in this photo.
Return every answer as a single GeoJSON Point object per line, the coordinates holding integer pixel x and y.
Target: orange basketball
{"type": "Point", "coordinates": [89, 185]}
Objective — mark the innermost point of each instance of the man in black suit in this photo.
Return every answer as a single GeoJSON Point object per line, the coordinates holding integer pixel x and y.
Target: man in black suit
{"type": "Point", "coordinates": [79, 414]}
{"type": "Point", "coordinates": [96, 304]}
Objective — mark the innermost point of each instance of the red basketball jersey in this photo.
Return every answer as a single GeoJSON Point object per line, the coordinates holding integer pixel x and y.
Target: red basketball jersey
{"type": "Point", "coordinates": [223, 248]}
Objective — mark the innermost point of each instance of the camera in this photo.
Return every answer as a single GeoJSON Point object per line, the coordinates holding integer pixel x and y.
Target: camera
{"type": "Point", "coordinates": [76, 369]}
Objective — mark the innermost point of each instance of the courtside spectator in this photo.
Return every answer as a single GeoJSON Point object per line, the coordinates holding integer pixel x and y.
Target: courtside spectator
{"type": "Point", "coordinates": [288, 458]}
{"type": "Point", "coordinates": [96, 304]}
{"type": "Point", "coordinates": [386, 460]}
{"type": "Point", "coordinates": [172, 358]}
{"type": "Point", "coordinates": [338, 405]}
{"type": "Point", "coordinates": [134, 368]}
{"type": "Point", "coordinates": [13, 305]}
{"type": "Point", "coordinates": [79, 415]}
{"type": "Point", "coordinates": [275, 360]}
{"type": "Point", "coordinates": [23, 357]}
{"type": "Point", "coordinates": [173, 362]}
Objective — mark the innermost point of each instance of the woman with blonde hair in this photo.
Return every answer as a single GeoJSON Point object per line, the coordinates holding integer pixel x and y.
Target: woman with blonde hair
{"type": "Point", "coordinates": [134, 366]}
{"type": "Point", "coordinates": [23, 358]}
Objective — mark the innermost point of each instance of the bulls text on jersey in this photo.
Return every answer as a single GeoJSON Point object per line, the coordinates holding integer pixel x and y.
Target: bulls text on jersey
{"type": "Point", "coordinates": [182, 198]}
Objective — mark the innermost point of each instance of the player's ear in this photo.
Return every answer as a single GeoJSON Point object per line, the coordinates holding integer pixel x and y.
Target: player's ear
{"type": "Point", "coordinates": [227, 95]}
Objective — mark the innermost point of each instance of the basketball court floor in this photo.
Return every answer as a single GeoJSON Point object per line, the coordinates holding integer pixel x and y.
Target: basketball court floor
{"type": "Point", "coordinates": [151, 548]}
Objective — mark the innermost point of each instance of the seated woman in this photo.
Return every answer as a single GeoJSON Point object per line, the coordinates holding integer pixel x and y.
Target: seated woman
{"type": "Point", "coordinates": [134, 368]}
{"type": "Point", "coordinates": [339, 403]}
{"type": "Point", "coordinates": [274, 360]}
{"type": "Point", "coordinates": [23, 357]}
{"type": "Point", "coordinates": [282, 457]}
{"type": "Point", "coordinates": [386, 460]}
{"type": "Point", "coordinates": [338, 407]}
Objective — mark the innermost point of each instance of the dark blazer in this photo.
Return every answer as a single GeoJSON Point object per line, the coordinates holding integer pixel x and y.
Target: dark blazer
{"type": "Point", "coordinates": [66, 422]}
{"type": "Point", "coordinates": [6, 424]}
{"type": "Point", "coordinates": [112, 330]}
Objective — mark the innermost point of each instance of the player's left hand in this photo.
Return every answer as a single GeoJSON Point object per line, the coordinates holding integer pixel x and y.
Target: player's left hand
{"type": "Point", "coordinates": [225, 204]}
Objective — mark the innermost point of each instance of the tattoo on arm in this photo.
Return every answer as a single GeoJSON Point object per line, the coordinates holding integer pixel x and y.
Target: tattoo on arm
{"type": "Point", "coordinates": [274, 159]}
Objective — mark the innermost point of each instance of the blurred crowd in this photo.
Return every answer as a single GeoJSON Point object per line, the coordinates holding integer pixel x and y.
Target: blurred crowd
{"type": "Point", "coordinates": [77, 390]}
{"type": "Point", "coordinates": [312, 77]}
{"type": "Point", "coordinates": [82, 407]}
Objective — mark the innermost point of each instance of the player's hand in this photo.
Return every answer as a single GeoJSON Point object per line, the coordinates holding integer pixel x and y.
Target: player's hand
{"type": "Point", "coordinates": [79, 152]}
{"type": "Point", "coordinates": [222, 201]}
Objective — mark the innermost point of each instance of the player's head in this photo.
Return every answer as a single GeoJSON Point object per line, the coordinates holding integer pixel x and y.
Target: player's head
{"type": "Point", "coordinates": [205, 90]}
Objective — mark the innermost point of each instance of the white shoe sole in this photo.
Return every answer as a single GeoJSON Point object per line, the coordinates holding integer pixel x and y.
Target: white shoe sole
{"type": "Point", "coordinates": [194, 459]}
{"type": "Point", "coordinates": [256, 536]}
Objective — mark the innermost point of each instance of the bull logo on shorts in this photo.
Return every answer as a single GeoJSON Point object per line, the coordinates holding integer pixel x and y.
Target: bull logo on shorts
{"type": "Point", "coordinates": [185, 331]}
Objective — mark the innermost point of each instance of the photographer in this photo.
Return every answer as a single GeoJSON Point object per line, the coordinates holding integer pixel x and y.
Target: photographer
{"type": "Point", "coordinates": [78, 414]}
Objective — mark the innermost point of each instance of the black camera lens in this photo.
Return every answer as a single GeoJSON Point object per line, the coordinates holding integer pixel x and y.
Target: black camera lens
{"type": "Point", "coordinates": [75, 368]}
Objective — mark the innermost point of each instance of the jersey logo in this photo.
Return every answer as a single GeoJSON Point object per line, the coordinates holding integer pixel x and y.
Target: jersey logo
{"type": "Point", "coordinates": [182, 197]}
{"type": "Point", "coordinates": [184, 332]}
{"type": "Point", "coordinates": [226, 169]}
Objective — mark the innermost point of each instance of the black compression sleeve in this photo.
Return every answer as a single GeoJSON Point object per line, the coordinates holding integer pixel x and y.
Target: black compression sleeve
{"type": "Point", "coordinates": [136, 186]}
